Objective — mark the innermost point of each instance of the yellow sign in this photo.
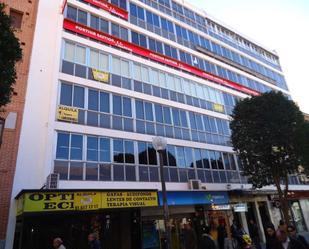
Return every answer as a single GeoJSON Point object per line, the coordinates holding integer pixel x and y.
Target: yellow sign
{"type": "Point", "coordinates": [67, 113]}
{"type": "Point", "coordinates": [218, 108]}
{"type": "Point", "coordinates": [84, 201]}
{"type": "Point", "coordinates": [100, 75]}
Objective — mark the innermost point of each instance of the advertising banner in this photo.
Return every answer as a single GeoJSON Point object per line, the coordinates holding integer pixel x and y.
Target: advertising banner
{"type": "Point", "coordinates": [67, 113]}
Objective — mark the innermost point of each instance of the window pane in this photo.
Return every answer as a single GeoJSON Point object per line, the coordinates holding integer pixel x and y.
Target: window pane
{"type": "Point", "coordinates": [139, 109]}
{"type": "Point", "coordinates": [171, 155]}
{"type": "Point", "coordinates": [213, 160]}
{"type": "Point", "coordinates": [167, 115]}
{"type": "Point", "coordinates": [117, 107]}
{"type": "Point", "coordinates": [129, 152]}
{"type": "Point", "coordinates": [125, 68]}
{"type": "Point", "coordinates": [92, 149]}
{"type": "Point", "coordinates": [118, 151]}
{"type": "Point", "coordinates": [180, 157]}
{"type": "Point", "coordinates": [69, 52]}
{"type": "Point", "coordinates": [80, 56]}
{"type": "Point", "coordinates": [205, 157]}
{"type": "Point", "coordinates": [91, 172]}
{"type": "Point", "coordinates": [66, 94]}
{"type": "Point", "coordinates": [93, 100]}
{"type": "Point", "coordinates": [148, 111]}
{"type": "Point", "coordinates": [152, 154]}
{"type": "Point", "coordinates": [105, 150]}
{"type": "Point", "coordinates": [76, 171]}
{"type": "Point", "coordinates": [104, 62]}
{"type": "Point", "coordinates": [94, 59]}
{"type": "Point", "coordinates": [142, 153]}
{"type": "Point", "coordinates": [127, 109]}
{"type": "Point", "coordinates": [189, 157]}
{"type": "Point", "coordinates": [76, 147]}
{"type": "Point", "coordinates": [116, 66]}
{"type": "Point", "coordinates": [104, 102]}
{"type": "Point", "coordinates": [78, 100]}
{"type": "Point", "coordinates": [159, 114]}
{"type": "Point", "coordinates": [63, 146]}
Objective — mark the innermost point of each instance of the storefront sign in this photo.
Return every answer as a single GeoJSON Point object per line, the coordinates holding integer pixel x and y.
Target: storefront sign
{"type": "Point", "coordinates": [220, 207]}
{"type": "Point", "coordinates": [195, 197]}
{"type": "Point", "coordinates": [240, 207]}
{"type": "Point", "coordinates": [111, 40]}
{"type": "Point", "coordinates": [109, 8]}
{"type": "Point", "coordinates": [84, 201]}
{"type": "Point", "coordinates": [100, 75]}
{"type": "Point", "coordinates": [66, 113]}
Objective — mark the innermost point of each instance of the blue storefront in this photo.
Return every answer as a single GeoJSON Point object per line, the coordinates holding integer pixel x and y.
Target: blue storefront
{"type": "Point", "coordinates": [188, 210]}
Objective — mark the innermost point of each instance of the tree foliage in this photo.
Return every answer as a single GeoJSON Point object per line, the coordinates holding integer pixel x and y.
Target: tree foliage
{"type": "Point", "coordinates": [267, 131]}
{"type": "Point", "coordinates": [10, 53]}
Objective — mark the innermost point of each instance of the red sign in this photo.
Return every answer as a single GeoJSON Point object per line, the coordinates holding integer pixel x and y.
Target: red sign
{"type": "Point", "coordinates": [109, 7]}
{"type": "Point", "coordinates": [111, 40]}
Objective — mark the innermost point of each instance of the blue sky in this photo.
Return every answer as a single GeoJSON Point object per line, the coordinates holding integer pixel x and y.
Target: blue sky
{"type": "Point", "coordinates": [282, 25]}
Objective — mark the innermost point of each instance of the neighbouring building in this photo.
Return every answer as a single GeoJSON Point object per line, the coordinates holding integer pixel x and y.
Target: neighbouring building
{"type": "Point", "coordinates": [105, 78]}
{"type": "Point", "coordinates": [23, 16]}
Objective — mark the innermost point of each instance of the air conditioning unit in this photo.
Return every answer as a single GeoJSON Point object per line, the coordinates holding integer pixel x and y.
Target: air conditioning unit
{"type": "Point", "coordinates": [195, 184]}
{"type": "Point", "coordinates": [52, 181]}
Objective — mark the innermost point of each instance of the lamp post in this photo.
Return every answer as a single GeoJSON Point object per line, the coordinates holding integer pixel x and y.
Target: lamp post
{"type": "Point", "coordinates": [159, 144]}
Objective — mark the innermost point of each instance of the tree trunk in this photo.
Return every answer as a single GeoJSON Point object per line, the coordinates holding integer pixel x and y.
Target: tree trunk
{"type": "Point", "coordinates": [283, 199]}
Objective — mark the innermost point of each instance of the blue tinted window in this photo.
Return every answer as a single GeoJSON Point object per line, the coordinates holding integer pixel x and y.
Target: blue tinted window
{"type": "Point", "coordinates": [156, 20]}
{"type": "Point", "coordinates": [93, 100]}
{"type": "Point", "coordinates": [159, 114]}
{"type": "Point", "coordinates": [140, 13]}
{"type": "Point", "coordinates": [167, 115]}
{"type": "Point", "coordinates": [104, 25]}
{"type": "Point", "coordinates": [176, 118]}
{"type": "Point", "coordinates": [127, 109]}
{"type": "Point", "coordinates": [117, 108]}
{"type": "Point", "coordinates": [71, 13]}
{"type": "Point", "coordinates": [152, 44]}
{"type": "Point", "coordinates": [82, 17]}
{"type": "Point", "coordinates": [118, 151]}
{"type": "Point", "coordinates": [66, 94]}
{"type": "Point", "coordinates": [142, 153]}
{"type": "Point", "coordinates": [148, 111]}
{"type": "Point", "coordinates": [134, 38]}
{"type": "Point", "coordinates": [133, 9]}
{"type": "Point", "coordinates": [78, 100]}
{"type": "Point", "coordinates": [183, 118]}
{"type": "Point", "coordinates": [92, 149]}
{"type": "Point", "coordinates": [181, 161]}
{"type": "Point", "coordinates": [192, 120]}
{"type": "Point", "coordinates": [129, 152]}
{"type": "Point", "coordinates": [139, 109]}
{"type": "Point", "coordinates": [76, 147]}
{"type": "Point", "coordinates": [63, 146]}
{"type": "Point", "coordinates": [104, 102]}
{"type": "Point", "coordinates": [143, 42]}
{"type": "Point", "coordinates": [105, 150]}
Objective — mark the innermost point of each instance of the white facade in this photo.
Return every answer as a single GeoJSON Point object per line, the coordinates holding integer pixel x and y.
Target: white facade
{"type": "Point", "coordinates": [37, 147]}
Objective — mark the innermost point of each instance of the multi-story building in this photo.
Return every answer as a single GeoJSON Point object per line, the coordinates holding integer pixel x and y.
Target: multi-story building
{"type": "Point", "coordinates": [105, 78]}
{"type": "Point", "coordinates": [23, 17]}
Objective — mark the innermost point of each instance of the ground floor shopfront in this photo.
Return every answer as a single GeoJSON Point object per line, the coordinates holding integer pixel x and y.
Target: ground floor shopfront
{"type": "Point", "coordinates": [121, 219]}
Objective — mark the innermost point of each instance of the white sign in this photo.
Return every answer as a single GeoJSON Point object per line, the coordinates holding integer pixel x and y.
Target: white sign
{"type": "Point", "coordinates": [240, 207]}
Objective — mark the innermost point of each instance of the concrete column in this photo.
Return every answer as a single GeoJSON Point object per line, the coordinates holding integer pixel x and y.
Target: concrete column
{"type": "Point", "coordinates": [244, 221]}
{"type": "Point", "coordinates": [259, 221]}
{"type": "Point", "coordinates": [304, 205]}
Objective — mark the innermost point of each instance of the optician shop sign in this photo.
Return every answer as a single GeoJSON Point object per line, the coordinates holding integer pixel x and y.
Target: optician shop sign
{"type": "Point", "coordinates": [111, 40]}
{"type": "Point", "coordinates": [84, 201]}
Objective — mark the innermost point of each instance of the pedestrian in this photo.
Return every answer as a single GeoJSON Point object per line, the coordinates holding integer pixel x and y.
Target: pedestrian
{"type": "Point", "coordinates": [207, 241]}
{"type": "Point", "coordinates": [189, 237]}
{"type": "Point", "coordinates": [292, 233]}
{"type": "Point", "coordinates": [282, 226]}
{"type": "Point", "coordinates": [58, 243]}
{"type": "Point", "coordinates": [288, 242]}
{"type": "Point", "coordinates": [93, 242]}
{"type": "Point", "coordinates": [271, 240]}
{"type": "Point", "coordinates": [254, 233]}
{"type": "Point", "coordinates": [221, 235]}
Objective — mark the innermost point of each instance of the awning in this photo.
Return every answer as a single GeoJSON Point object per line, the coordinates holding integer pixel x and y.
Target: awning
{"type": "Point", "coordinates": [195, 198]}
{"type": "Point", "coordinates": [30, 201]}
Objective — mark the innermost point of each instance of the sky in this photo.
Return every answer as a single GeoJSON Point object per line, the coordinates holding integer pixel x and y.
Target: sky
{"type": "Point", "coordinates": [280, 25]}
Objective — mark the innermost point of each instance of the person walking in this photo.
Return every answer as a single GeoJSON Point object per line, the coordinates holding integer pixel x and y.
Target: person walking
{"type": "Point", "coordinates": [207, 241]}
{"type": "Point", "coordinates": [293, 234]}
{"type": "Point", "coordinates": [287, 242]}
{"type": "Point", "coordinates": [58, 243]}
{"type": "Point", "coordinates": [93, 241]}
{"type": "Point", "coordinates": [271, 240]}
{"type": "Point", "coordinates": [254, 233]}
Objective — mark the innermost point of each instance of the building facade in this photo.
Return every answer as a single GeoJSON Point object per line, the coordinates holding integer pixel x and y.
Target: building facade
{"type": "Point", "coordinates": [105, 78]}
{"type": "Point", "coordinates": [23, 15]}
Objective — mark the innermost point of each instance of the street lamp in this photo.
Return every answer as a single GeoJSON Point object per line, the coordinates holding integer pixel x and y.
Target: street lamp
{"type": "Point", "coordinates": [159, 144]}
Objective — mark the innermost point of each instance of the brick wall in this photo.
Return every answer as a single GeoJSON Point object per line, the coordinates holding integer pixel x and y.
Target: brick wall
{"type": "Point", "coordinates": [10, 141]}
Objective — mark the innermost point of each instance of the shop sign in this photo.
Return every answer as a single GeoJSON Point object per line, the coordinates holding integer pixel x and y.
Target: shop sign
{"type": "Point", "coordinates": [84, 201]}
{"type": "Point", "coordinates": [100, 75]}
{"type": "Point", "coordinates": [220, 207]}
{"type": "Point", "coordinates": [240, 207]}
{"type": "Point", "coordinates": [132, 48]}
{"type": "Point", "coordinates": [218, 108]}
{"type": "Point", "coordinates": [67, 113]}
{"type": "Point", "coordinates": [109, 8]}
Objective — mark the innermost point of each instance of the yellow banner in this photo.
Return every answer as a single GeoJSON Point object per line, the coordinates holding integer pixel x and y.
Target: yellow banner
{"type": "Point", "coordinates": [67, 113]}
{"type": "Point", "coordinates": [84, 201]}
{"type": "Point", "coordinates": [100, 75]}
{"type": "Point", "coordinates": [218, 108]}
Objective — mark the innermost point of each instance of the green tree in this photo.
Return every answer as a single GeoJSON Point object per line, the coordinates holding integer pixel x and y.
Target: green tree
{"type": "Point", "coordinates": [10, 53]}
{"type": "Point", "coordinates": [266, 133]}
